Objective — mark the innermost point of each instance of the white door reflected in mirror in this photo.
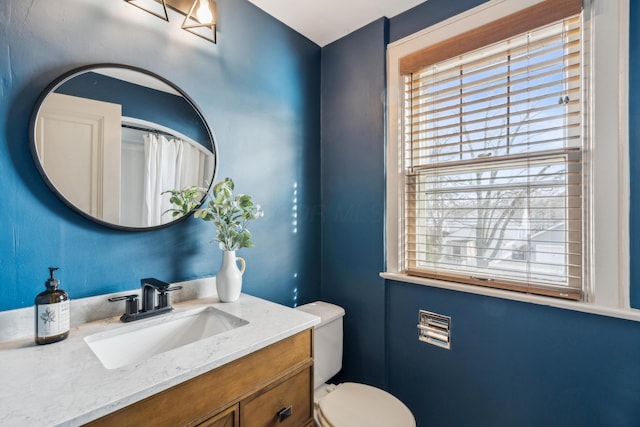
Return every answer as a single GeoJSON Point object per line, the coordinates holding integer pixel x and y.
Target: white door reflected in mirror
{"type": "Point", "coordinates": [78, 143]}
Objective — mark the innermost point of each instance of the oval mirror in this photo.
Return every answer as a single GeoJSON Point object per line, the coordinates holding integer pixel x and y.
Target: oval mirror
{"type": "Point", "coordinates": [110, 140]}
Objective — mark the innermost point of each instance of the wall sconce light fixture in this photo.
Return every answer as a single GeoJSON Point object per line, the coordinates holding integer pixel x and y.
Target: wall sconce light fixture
{"type": "Point", "coordinates": [200, 15]}
{"type": "Point", "coordinates": [156, 8]}
{"type": "Point", "coordinates": [201, 19]}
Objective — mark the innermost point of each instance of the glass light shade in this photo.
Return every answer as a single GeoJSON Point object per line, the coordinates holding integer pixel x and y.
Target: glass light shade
{"type": "Point", "coordinates": [201, 20]}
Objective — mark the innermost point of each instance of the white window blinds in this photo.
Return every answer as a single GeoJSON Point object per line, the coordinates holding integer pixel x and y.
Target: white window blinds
{"type": "Point", "coordinates": [493, 164]}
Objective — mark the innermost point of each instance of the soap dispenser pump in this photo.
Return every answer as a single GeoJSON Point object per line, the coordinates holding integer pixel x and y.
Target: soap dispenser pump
{"type": "Point", "coordinates": [52, 312]}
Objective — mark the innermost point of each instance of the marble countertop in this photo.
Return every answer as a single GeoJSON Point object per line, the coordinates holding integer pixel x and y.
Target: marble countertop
{"type": "Point", "coordinates": [64, 384]}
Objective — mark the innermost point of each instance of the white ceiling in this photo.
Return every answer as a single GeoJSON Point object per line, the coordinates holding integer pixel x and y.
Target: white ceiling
{"type": "Point", "coordinates": [324, 21]}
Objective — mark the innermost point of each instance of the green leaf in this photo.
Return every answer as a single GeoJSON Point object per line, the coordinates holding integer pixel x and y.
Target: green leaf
{"type": "Point", "coordinates": [229, 213]}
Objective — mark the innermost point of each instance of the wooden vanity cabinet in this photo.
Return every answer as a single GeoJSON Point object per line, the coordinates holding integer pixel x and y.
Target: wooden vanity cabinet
{"type": "Point", "coordinates": [270, 387]}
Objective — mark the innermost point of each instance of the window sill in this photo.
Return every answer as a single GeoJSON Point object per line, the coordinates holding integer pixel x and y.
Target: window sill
{"type": "Point", "coordinates": [585, 307]}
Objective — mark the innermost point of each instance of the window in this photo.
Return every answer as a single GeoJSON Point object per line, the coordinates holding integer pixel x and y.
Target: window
{"type": "Point", "coordinates": [493, 158]}
{"type": "Point", "coordinates": [599, 160]}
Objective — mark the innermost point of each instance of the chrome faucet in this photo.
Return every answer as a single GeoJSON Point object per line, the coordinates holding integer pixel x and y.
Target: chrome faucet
{"type": "Point", "coordinates": [149, 288]}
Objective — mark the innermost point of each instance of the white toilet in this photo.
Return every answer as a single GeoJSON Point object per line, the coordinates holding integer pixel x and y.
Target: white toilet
{"type": "Point", "coordinates": [346, 404]}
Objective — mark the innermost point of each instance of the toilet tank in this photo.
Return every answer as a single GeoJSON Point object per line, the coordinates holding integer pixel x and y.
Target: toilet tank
{"type": "Point", "coordinates": [327, 340]}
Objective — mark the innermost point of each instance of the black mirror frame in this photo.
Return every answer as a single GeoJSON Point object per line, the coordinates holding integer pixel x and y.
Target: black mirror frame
{"type": "Point", "coordinates": [77, 71]}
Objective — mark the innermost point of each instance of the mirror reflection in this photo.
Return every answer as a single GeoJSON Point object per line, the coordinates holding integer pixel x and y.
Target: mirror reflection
{"type": "Point", "coordinates": [110, 141]}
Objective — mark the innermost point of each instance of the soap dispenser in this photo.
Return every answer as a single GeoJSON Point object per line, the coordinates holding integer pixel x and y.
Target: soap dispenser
{"type": "Point", "coordinates": [52, 312]}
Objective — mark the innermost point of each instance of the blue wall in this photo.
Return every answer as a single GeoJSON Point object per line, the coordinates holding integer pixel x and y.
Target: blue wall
{"type": "Point", "coordinates": [259, 90]}
{"type": "Point", "coordinates": [353, 82]}
{"type": "Point", "coordinates": [511, 363]}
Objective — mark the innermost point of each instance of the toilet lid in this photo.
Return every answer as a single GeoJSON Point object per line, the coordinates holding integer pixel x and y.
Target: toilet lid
{"type": "Point", "coordinates": [355, 405]}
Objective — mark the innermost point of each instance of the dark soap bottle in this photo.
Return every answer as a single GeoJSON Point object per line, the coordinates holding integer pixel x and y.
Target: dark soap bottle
{"type": "Point", "coordinates": [52, 312]}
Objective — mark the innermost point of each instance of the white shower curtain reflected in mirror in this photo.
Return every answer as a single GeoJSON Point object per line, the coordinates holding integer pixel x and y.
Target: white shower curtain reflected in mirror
{"type": "Point", "coordinates": [165, 161]}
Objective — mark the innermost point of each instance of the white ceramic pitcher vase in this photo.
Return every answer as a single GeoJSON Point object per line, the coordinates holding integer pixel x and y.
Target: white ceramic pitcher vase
{"type": "Point", "coordinates": [229, 277]}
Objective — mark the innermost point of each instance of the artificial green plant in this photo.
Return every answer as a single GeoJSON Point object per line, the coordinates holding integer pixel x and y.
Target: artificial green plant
{"type": "Point", "coordinates": [231, 213]}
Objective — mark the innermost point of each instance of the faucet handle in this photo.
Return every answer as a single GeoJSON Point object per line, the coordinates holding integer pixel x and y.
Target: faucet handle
{"type": "Point", "coordinates": [163, 298]}
{"type": "Point", "coordinates": [131, 304]}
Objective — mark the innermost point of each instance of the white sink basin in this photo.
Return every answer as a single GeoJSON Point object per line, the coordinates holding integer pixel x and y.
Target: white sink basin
{"type": "Point", "coordinates": [139, 341]}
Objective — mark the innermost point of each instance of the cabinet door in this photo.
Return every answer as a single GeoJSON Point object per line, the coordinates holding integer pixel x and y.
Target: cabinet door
{"type": "Point", "coordinates": [226, 418]}
{"type": "Point", "coordinates": [287, 404]}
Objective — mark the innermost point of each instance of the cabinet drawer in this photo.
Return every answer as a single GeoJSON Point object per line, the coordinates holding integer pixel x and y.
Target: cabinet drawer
{"type": "Point", "coordinates": [228, 418]}
{"type": "Point", "coordinates": [286, 404]}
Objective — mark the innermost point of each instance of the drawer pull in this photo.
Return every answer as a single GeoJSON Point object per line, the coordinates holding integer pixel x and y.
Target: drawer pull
{"type": "Point", "coordinates": [284, 413]}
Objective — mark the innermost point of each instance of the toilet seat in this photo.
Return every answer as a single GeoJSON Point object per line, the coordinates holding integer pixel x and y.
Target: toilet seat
{"type": "Point", "coordinates": [356, 405]}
